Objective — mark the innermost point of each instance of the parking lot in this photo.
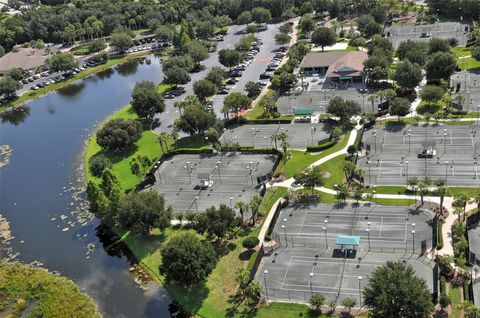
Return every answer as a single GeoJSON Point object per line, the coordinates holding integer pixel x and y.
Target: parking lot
{"type": "Point", "coordinates": [467, 84]}
{"type": "Point", "coordinates": [197, 182]}
{"type": "Point", "coordinates": [318, 97]}
{"type": "Point", "coordinates": [299, 135]}
{"type": "Point", "coordinates": [312, 262]}
{"type": "Point", "coordinates": [444, 30]}
{"type": "Point", "coordinates": [393, 154]}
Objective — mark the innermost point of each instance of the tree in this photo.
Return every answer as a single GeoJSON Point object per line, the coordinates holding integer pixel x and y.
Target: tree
{"type": "Point", "coordinates": [254, 204]}
{"type": "Point", "coordinates": [343, 109]}
{"type": "Point", "coordinates": [8, 86]}
{"type": "Point", "coordinates": [109, 182]}
{"type": "Point", "coordinates": [62, 62]}
{"type": "Point", "coordinates": [216, 75]}
{"type": "Point", "coordinates": [250, 242]}
{"type": "Point", "coordinates": [98, 163]}
{"type": "Point", "coordinates": [252, 88]}
{"type": "Point", "coordinates": [229, 57]}
{"type": "Point", "coordinates": [349, 303]}
{"type": "Point", "coordinates": [442, 192]}
{"type": "Point", "coordinates": [221, 221]}
{"type": "Point", "coordinates": [461, 201]}
{"type": "Point", "coordinates": [261, 15]}
{"type": "Point", "coordinates": [235, 102]}
{"type": "Point", "coordinates": [476, 200]}
{"type": "Point", "coordinates": [424, 187]}
{"type": "Point", "coordinates": [285, 28]}
{"type": "Point", "coordinates": [245, 17]}
{"type": "Point", "coordinates": [316, 301]}
{"type": "Point", "coordinates": [147, 100]}
{"type": "Point", "coordinates": [441, 65]}
{"type": "Point", "coordinates": [348, 168]}
{"type": "Point", "coordinates": [282, 38]}
{"type": "Point", "coordinates": [121, 40]}
{"type": "Point", "coordinates": [444, 301]}
{"type": "Point", "coordinates": [307, 24]}
{"type": "Point", "coordinates": [96, 46]}
{"type": "Point", "coordinates": [98, 203]}
{"type": "Point", "coordinates": [187, 259]}
{"type": "Point", "coordinates": [251, 28]}
{"type": "Point", "coordinates": [247, 288]}
{"type": "Point", "coordinates": [196, 50]}
{"type": "Point", "coordinates": [399, 107]}
{"type": "Point", "coordinates": [119, 134]}
{"type": "Point", "coordinates": [408, 75]}
{"type": "Point", "coordinates": [310, 178]}
{"type": "Point", "coordinates": [415, 52]}
{"type": "Point", "coordinates": [140, 164]}
{"type": "Point", "coordinates": [195, 119]}
{"type": "Point", "coordinates": [394, 290]}
{"type": "Point", "coordinates": [205, 29]}
{"type": "Point", "coordinates": [204, 88]}
{"type": "Point", "coordinates": [438, 45]}
{"type": "Point", "coordinates": [16, 73]}
{"type": "Point", "coordinates": [432, 93]}
{"type": "Point", "coordinates": [377, 67]}
{"type": "Point", "coordinates": [2, 51]}
{"type": "Point", "coordinates": [242, 207]}
{"type": "Point", "coordinates": [323, 37]}
{"type": "Point", "coordinates": [176, 75]}
{"type": "Point", "coordinates": [140, 212]}
{"type": "Point", "coordinates": [164, 33]}
{"type": "Point", "coordinates": [182, 61]}
{"type": "Point", "coordinates": [283, 81]}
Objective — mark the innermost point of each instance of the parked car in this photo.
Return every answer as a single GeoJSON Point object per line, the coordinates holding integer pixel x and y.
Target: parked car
{"type": "Point", "coordinates": [262, 83]}
{"type": "Point", "coordinates": [231, 81]}
{"type": "Point", "coordinates": [169, 96]}
{"type": "Point", "coordinates": [236, 74]}
{"type": "Point", "coordinates": [223, 91]}
{"type": "Point", "coordinates": [266, 75]}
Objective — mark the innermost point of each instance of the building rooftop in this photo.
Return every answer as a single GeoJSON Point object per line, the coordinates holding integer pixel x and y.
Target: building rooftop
{"type": "Point", "coordinates": [351, 63]}
{"type": "Point", "coordinates": [321, 59]}
{"type": "Point", "coordinates": [24, 58]}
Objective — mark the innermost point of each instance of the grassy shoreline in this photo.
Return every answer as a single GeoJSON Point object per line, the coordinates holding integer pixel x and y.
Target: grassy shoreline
{"type": "Point", "coordinates": [32, 95]}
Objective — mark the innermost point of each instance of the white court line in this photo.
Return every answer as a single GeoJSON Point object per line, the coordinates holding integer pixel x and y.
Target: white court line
{"type": "Point", "coordinates": [362, 264]}
{"type": "Point", "coordinates": [303, 222]}
{"type": "Point", "coordinates": [406, 228]}
{"type": "Point", "coordinates": [286, 271]}
{"type": "Point", "coordinates": [320, 288]}
{"type": "Point", "coordinates": [380, 168]}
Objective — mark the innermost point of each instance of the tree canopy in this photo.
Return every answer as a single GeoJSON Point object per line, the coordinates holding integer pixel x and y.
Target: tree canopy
{"type": "Point", "coordinates": [119, 134]}
{"type": "Point", "coordinates": [121, 40]}
{"type": "Point", "coordinates": [195, 119]}
{"type": "Point", "coordinates": [204, 88]}
{"type": "Point", "coordinates": [235, 102]}
{"type": "Point", "coordinates": [343, 108]}
{"type": "Point", "coordinates": [310, 178]}
{"type": "Point", "coordinates": [187, 259]}
{"type": "Point", "coordinates": [440, 66]}
{"type": "Point", "coordinates": [229, 57]}
{"type": "Point", "coordinates": [408, 75]}
{"type": "Point", "coordinates": [62, 62]}
{"type": "Point", "coordinates": [399, 107]}
{"type": "Point", "coordinates": [323, 36]}
{"type": "Point", "coordinates": [147, 100]}
{"type": "Point", "coordinates": [8, 86]}
{"type": "Point", "coordinates": [394, 290]}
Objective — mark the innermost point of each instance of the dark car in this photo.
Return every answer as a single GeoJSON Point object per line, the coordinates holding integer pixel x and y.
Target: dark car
{"type": "Point", "coordinates": [169, 96]}
{"type": "Point", "coordinates": [236, 74]}
{"type": "Point", "coordinates": [223, 91]}
{"type": "Point", "coordinates": [231, 81]}
{"type": "Point", "coordinates": [266, 75]}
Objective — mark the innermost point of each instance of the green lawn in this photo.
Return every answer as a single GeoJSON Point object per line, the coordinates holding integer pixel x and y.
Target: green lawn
{"type": "Point", "coordinates": [299, 160]}
{"type": "Point", "coordinates": [334, 168]}
{"type": "Point", "coordinates": [425, 107]}
{"type": "Point", "coordinates": [29, 95]}
{"type": "Point", "coordinates": [148, 145]}
{"type": "Point", "coordinates": [468, 63]}
{"type": "Point", "coordinates": [284, 310]}
{"type": "Point", "coordinates": [34, 292]}
{"type": "Point", "coordinates": [456, 298]}
{"type": "Point", "coordinates": [397, 202]}
{"type": "Point", "coordinates": [460, 51]}
{"type": "Point", "coordinates": [272, 195]}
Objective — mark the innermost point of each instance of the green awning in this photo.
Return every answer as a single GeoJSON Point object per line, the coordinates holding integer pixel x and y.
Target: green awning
{"type": "Point", "coordinates": [303, 111]}
{"type": "Point", "coordinates": [348, 240]}
{"type": "Point", "coordinates": [344, 78]}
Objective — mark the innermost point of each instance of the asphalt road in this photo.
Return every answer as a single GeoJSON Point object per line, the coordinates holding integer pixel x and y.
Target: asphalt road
{"type": "Point", "coordinates": [252, 72]}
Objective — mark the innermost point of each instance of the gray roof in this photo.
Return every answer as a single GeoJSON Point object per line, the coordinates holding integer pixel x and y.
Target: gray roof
{"type": "Point", "coordinates": [474, 240]}
{"type": "Point", "coordinates": [24, 58]}
{"type": "Point", "coordinates": [321, 59]}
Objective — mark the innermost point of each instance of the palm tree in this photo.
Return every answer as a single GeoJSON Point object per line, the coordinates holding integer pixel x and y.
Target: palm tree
{"type": "Point", "coordinates": [242, 207]}
{"type": "Point", "coordinates": [412, 183]}
{"type": "Point", "coordinates": [442, 193]}
{"type": "Point", "coordinates": [458, 211]}
{"type": "Point", "coordinates": [349, 303]}
{"type": "Point", "coordinates": [254, 205]}
{"type": "Point", "coordinates": [349, 169]}
{"type": "Point", "coordinates": [461, 201]}
{"type": "Point", "coordinates": [162, 139]}
{"type": "Point", "coordinates": [372, 98]}
{"type": "Point", "coordinates": [360, 174]}
{"type": "Point", "coordinates": [476, 199]}
{"type": "Point", "coordinates": [423, 187]}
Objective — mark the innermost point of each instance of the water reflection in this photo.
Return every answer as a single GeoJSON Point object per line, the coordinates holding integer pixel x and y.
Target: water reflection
{"type": "Point", "coordinates": [72, 90]}
{"type": "Point", "coordinates": [105, 74]}
{"type": "Point", "coordinates": [16, 116]}
{"type": "Point", "coordinates": [128, 68]}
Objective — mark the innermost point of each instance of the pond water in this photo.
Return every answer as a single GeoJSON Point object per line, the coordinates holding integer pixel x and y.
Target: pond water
{"type": "Point", "coordinates": [40, 191]}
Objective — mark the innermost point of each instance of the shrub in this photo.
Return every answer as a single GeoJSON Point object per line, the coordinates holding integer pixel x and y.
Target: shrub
{"type": "Point", "coordinates": [317, 301]}
{"type": "Point", "coordinates": [250, 242]}
{"type": "Point", "coordinates": [443, 283]}
{"type": "Point", "coordinates": [439, 236]}
{"type": "Point", "coordinates": [119, 134]}
{"type": "Point", "coordinates": [322, 146]}
{"type": "Point", "coordinates": [99, 163]}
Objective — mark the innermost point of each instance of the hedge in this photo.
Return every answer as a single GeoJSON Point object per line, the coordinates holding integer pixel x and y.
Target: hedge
{"type": "Point", "coordinates": [259, 121]}
{"type": "Point", "coordinates": [466, 290]}
{"type": "Point", "coordinates": [439, 235]}
{"type": "Point", "coordinates": [321, 147]}
{"type": "Point", "coordinates": [251, 261]}
{"type": "Point", "coordinates": [443, 283]}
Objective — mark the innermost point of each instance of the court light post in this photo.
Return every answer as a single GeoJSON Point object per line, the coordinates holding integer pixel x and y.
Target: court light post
{"type": "Point", "coordinates": [253, 137]}
{"type": "Point", "coordinates": [312, 129]}
{"type": "Point", "coordinates": [360, 289]}
{"type": "Point", "coordinates": [368, 236]}
{"type": "Point", "coordinates": [409, 135]}
{"type": "Point", "coordinates": [265, 273]}
{"type": "Point", "coordinates": [413, 243]}
{"type": "Point", "coordinates": [374, 196]}
{"type": "Point", "coordinates": [369, 164]}
{"type": "Point", "coordinates": [266, 142]}
{"type": "Point", "coordinates": [445, 141]}
{"type": "Point", "coordinates": [188, 168]}
{"type": "Point", "coordinates": [375, 135]}
{"type": "Point", "coordinates": [218, 170]}
{"type": "Point", "coordinates": [326, 239]}
{"type": "Point", "coordinates": [285, 232]}
{"type": "Point", "coordinates": [406, 164]}
{"type": "Point", "coordinates": [231, 201]}
{"type": "Point", "coordinates": [196, 205]}
{"type": "Point", "coordinates": [311, 285]}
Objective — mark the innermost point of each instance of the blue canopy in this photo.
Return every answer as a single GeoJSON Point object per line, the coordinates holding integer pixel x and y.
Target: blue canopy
{"type": "Point", "coordinates": [348, 240]}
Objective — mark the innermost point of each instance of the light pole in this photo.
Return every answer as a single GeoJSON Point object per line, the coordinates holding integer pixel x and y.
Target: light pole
{"type": "Point", "coordinates": [285, 232]}
{"type": "Point", "coordinates": [196, 205]}
{"type": "Point", "coordinates": [266, 142]}
{"type": "Point", "coordinates": [375, 135]}
{"type": "Point", "coordinates": [231, 200]}
{"type": "Point", "coordinates": [360, 289]}
{"type": "Point", "coordinates": [369, 164]}
{"type": "Point", "coordinates": [445, 141]}
{"type": "Point", "coordinates": [218, 170]}
{"type": "Point", "coordinates": [368, 236]}
{"type": "Point", "coordinates": [311, 285]}
{"type": "Point", "coordinates": [265, 273]}
{"type": "Point", "coordinates": [406, 164]}
{"type": "Point", "coordinates": [312, 131]}
{"type": "Point", "coordinates": [188, 168]}
{"type": "Point", "coordinates": [374, 196]}
{"type": "Point", "coordinates": [468, 105]}
{"type": "Point", "coordinates": [413, 244]}
{"type": "Point", "coordinates": [363, 91]}
{"type": "Point", "coordinates": [326, 238]}
{"type": "Point", "coordinates": [409, 135]}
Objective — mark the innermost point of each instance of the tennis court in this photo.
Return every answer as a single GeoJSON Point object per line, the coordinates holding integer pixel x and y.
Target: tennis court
{"type": "Point", "coordinates": [260, 136]}
{"type": "Point", "coordinates": [394, 153]}
{"type": "Point", "coordinates": [306, 260]}
{"type": "Point", "coordinates": [197, 182]}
